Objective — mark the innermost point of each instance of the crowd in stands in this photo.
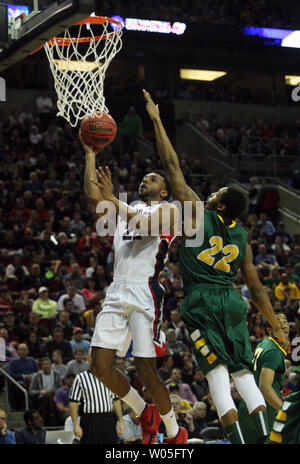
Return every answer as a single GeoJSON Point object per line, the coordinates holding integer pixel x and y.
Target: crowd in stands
{"type": "Point", "coordinates": [226, 12]}
{"type": "Point", "coordinates": [55, 269]}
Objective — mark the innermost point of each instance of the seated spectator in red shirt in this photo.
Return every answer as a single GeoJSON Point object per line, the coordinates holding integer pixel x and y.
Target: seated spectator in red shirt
{"type": "Point", "coordinates": [90, 294]}
{"type": "Point", "coordinates": [88, 239]}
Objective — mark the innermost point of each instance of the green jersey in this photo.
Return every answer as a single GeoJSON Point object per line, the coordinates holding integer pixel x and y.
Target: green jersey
{"type": "Point", "coordinates": [218, 259]}
{"type": "Point", "coordinates": [268, 354]}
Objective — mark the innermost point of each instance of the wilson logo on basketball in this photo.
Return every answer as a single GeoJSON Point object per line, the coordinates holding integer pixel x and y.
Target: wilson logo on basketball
{"type": "Point", "coordinates": [99, 128]}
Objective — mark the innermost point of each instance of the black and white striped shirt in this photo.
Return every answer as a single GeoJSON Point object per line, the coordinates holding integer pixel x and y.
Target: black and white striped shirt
{"type": "Point", "coordinates": [91, 393]}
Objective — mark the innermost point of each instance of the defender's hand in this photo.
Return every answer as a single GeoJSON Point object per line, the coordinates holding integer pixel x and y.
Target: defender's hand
{"type": "Point", "coordinates": [152, 109]}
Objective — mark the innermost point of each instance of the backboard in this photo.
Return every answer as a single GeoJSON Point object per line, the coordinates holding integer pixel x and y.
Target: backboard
{"type": "Point", "coordinates": [32, 23]}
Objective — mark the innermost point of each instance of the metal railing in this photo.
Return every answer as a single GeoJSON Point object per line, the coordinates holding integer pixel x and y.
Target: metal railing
{"type": "Point", "coordinates": [7, 378]}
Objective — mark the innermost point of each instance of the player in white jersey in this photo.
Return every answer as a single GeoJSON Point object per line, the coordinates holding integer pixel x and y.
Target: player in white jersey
{"type": "Point", "coordinates": [133, 304]}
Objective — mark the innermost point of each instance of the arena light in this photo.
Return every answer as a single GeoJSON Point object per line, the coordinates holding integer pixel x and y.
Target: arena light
{"type": "Point", "coordinates": [292, 40]}
{"type": "Point", "coordinates": [281, 37]}
{"type": "Point", "coordinates": [292, 80]}
{"type": "Point", "coordinates": [74, 65]}
{"type": "Point", "coordinates": [201, 74]}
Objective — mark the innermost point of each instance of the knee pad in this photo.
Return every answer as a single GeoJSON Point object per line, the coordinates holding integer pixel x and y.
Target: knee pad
{"type": "Point", "coordinates": [219, 387]}
{"type": "Point", "coordinates": [248, 389]}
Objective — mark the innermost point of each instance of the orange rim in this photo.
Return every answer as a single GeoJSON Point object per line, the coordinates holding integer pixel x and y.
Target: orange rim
{"type": "Point", "coordinates": [62, 42]}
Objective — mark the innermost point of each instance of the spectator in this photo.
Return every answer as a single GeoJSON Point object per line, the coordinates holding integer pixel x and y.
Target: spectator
{"type": "Point", "coordinates": [90, 294]}
{"type": "Point", "coordinates": [78, 300]}
{"type": "Point", "coordinates": [16, 271]}
{"type": "Point", "coordinates": [58, 365]}
{"type": "Point", "coordinates": [91, 314]}
{"type": "Point", "coordinates": [34, 346]}
{"type": "Point", "coordinates": [199, 417]}
{"type": "Point", "coordinates": [178, 325]}
{"type": "Point", "coordinates": [17, 331]}
{"type": "Point", "coordinates": [44, 306]}
{"type": "Point", "coordinates": [266, 224]}
{"type": "Point", "coordinates": [61, 398]}
{"type": "Point", "coordinates": [45, 107]}
{"type": "Point", "coordinates": [165, 369]}
{"type": "Point", "coordinates": [34, 325]}
{"type": "Point", "coordinates": [285, 287]}
{"type": "Point", "coordinates": [175, 346]}
{"type": "Point", "coordinates": [199, 386]}
{"type": "Point", "coordinates": [262, 259]}
{"type": "Point", "coordinates": [42, 388]}
{"type": "Point", "coordinates": [185, 391]}
{"type": "Point", "coordinates": [132, 429]}
{"type": "Point", "coordinates": [22, 370]}
{"type": "Point", "coordinates": [77, 225]}
{"type": "Point", "coordinates": [63, 321]}
{"type": "Point", "coordinates": [131, 127]}
{"type": "Point", "coordinates": [10, 350]}
{"type": "Point", "coordinates": [7, 437]}
{"type": "Point", "coordinates": [79, 342]}
{"type": "Point", "coordinates": [185, 404]}
{"type": "Point", "coordinates": [257, 330]}
{"type": "Point", "coordinates": [76, 277]}
{"type": "Point", "coordinates": [58, 343]}
{"type": "Point", "coordinates": [32, 433]}
{"type": "Point", "coordinates": [79, 364]}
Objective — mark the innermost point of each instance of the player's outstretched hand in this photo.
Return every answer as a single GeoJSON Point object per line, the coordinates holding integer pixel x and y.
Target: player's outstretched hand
{"type": "Point", "coordinates": [104, 183]}
{"type": "Point", "coordinates": [282, 339]}
{"type": "Point", "coordinates": [87, 149]}
{"type": "Point", "coordinates": [152, 109]}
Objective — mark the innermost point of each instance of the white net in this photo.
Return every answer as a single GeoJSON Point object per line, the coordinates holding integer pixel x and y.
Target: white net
{"type": "Point", "coordinates": [78, 67]}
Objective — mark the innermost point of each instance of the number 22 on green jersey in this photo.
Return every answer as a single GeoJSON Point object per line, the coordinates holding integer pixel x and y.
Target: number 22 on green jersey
{"type": "Point", "coordinates": [230, 253]}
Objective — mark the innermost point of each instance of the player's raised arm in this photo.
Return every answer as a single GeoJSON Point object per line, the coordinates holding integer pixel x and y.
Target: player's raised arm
{"type": "Point", "coordinates": [169, 158]}
{"type": "Point", "coordinates": [260, 298]}
{"type": "Point", "coordinates": [92, 193]}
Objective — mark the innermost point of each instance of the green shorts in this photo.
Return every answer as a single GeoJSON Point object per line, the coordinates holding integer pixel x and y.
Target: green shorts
{"type": "Point", "coordinates": [215, 317]}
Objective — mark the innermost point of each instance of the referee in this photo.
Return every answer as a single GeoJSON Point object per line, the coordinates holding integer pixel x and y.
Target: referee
{"type": "Point", "coordinates": [97, 422]}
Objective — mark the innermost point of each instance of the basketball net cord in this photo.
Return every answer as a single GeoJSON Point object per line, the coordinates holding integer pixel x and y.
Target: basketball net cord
{"type": "Point", "coordinates": [80, 88]}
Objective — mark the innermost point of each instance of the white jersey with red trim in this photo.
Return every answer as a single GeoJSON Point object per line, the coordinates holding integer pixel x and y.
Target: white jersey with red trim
{"type": "Point", "coordinates": [137, 257]}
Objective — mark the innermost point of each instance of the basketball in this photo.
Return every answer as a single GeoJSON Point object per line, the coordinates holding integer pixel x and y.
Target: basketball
{"type": "Point", "coordinates": [98, 131]}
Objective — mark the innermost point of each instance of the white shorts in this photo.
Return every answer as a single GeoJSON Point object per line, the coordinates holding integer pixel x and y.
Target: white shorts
{"type": "Point", "coordinates": [132, 311]}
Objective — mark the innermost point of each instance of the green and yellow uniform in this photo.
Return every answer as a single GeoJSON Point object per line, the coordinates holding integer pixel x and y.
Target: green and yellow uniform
{"type": "Point", "coordinates": [214, 312]}
{"type": "Point", "coordinates": [268, 354]}
{"type": "Point", "coordinates": [286, 427]}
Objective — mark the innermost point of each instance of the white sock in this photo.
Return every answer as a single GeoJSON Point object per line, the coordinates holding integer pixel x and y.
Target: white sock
{"type": "Point", "coordinates": [170, 422]}
{"type": "Point", "coordinates": [135, 401]}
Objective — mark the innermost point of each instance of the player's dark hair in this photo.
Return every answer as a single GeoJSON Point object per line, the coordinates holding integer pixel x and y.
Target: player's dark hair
{"type": "Point", "coordinates": [235, 202]}
{"type": "Point", "coordinates": [167, 183]}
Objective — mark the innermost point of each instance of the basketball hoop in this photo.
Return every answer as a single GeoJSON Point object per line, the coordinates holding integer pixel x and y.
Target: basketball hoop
{"type": "Point", "coordinates": [79, 64]}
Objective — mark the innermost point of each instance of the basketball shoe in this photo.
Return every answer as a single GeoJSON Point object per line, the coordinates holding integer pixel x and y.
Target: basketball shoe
{"type": "Point", "coordinates": [149, 421]}
{"type": "Point", "coordinates": [179, 439]}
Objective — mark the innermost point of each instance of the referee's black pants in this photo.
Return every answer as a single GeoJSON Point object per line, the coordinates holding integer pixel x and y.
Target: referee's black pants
{"type": "Point", "coordinates": [98, 429]}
